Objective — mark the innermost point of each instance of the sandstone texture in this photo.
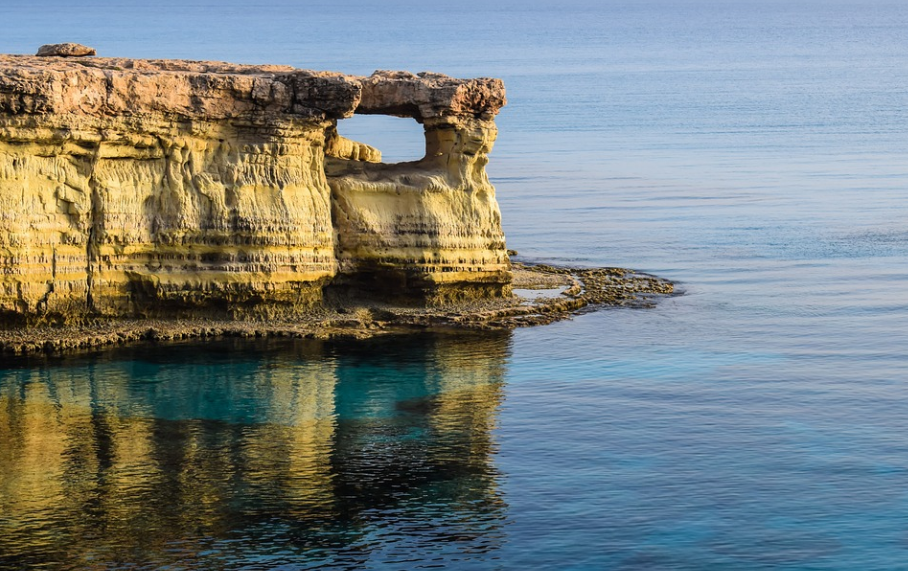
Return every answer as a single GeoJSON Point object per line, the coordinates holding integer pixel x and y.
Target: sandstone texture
{"type": "Point", "coordinates": [168, 188]}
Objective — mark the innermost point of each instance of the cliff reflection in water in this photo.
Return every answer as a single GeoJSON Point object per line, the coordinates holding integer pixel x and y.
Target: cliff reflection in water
{"type": "Point", "coordinates": [268, 453]}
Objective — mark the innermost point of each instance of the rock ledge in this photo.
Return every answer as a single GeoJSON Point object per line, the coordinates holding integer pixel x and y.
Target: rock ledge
{"type": "Point", "coordinates": [582, 289]}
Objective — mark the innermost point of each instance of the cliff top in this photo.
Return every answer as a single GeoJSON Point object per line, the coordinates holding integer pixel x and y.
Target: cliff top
{"type": "Point", "coordinates": [217, 90]}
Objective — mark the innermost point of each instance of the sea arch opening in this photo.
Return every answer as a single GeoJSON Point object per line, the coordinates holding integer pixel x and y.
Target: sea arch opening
{"type": "Point", "coordinates": [399, 139]}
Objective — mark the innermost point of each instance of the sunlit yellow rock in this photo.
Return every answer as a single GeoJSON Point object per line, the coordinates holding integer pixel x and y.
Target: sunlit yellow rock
{"type": "Point", "coordinates": [180, 188]}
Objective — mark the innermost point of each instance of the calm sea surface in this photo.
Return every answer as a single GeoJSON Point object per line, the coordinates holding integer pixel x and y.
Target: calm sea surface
{"type": "Point", "coordinates": [754, 152]}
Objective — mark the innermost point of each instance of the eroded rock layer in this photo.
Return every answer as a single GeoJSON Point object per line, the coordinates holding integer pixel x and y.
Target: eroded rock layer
{"type": "Point", "coordinates": [159, 187]}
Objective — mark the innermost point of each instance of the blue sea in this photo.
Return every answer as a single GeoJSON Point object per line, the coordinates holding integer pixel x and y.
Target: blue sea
{"type": "Point", "coordinates": [753, 152]}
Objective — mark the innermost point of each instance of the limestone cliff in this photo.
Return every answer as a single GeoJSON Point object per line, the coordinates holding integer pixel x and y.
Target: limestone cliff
{"type": "Point", "coordinates": [166, 187]}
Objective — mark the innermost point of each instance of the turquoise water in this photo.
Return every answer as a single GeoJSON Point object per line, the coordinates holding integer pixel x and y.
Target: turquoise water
{"type": "Point", "coordinates": [753, 152]}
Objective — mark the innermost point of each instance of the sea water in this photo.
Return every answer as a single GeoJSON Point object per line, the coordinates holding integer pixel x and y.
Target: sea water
{"type": "Point", "coordinates": [753, 152]}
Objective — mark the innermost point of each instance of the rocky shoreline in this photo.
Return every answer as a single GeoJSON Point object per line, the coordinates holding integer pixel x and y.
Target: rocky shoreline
{"type": "Point", "coordinates": [161, 200]}
{"type": "Point", "coordinates": [562, 292]}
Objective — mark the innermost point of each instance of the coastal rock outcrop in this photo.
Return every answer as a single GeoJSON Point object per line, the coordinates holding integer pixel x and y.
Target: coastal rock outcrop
{"type": "Point", "coordinates": [180, 188]}
{"type": "Point", "coordinates": [65, 50]}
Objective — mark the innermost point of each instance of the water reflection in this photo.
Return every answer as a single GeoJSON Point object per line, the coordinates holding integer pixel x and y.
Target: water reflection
{"type": "Point", "coordinates": [315, 454]}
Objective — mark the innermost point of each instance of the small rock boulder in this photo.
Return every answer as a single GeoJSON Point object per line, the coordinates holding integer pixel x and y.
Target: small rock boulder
{"type": "Point", "coordinates": [65, 50]}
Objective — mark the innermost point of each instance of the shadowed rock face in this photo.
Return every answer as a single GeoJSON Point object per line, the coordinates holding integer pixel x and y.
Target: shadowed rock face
{"type": "Point", "coordinates": [166, 187]}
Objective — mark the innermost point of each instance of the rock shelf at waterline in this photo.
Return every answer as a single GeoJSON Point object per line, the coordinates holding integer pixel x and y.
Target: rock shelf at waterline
{"type": "Point", "coordinates": [575, 290]}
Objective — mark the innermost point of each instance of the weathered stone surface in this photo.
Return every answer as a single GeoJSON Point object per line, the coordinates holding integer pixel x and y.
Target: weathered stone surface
{"type": "Point", "coordinates": [66, 50]}
{"type": "Point", "coordinates": [166, 187]}
{"type": "Point", "coordinates": [430, 95]}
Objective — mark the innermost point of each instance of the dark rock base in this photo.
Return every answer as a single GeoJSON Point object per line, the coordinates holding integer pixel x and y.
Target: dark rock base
{"type": "Point", "coordinates": [581, 289]}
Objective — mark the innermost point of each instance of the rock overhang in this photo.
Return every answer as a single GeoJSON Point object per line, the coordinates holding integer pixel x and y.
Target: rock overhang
{"type": "Point", "coordinates": [218, 90]}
